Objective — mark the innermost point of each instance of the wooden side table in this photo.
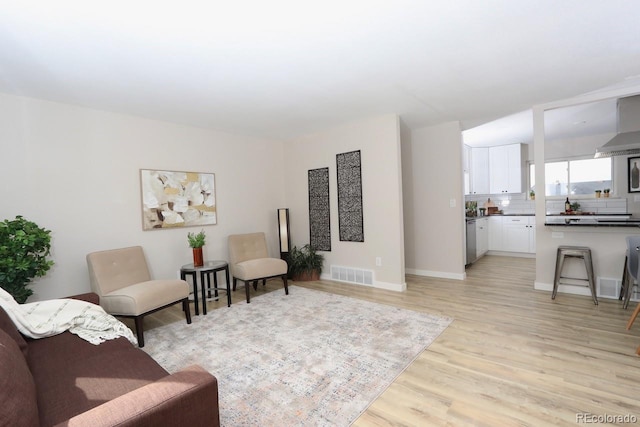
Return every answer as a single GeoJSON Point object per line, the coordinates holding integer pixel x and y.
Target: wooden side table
{"type": "Point", "coordinates": [209, 267]}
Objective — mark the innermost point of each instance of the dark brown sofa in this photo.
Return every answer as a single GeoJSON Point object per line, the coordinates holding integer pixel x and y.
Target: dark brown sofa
{"type": "Point", "coordinates": [66, 381]}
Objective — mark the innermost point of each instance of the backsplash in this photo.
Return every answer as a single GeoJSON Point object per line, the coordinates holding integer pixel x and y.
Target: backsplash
{"type": "Point", "coordinates": [520, 204]}
{"type": "Point", "coordinates": [603, 205]}
{"type": "Point", "coordinates": [508, 203]}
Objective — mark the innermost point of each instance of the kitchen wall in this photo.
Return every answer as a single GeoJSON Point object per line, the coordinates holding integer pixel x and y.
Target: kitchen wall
{"type": "Point", "coordinates": [432, 177]}
{"type": "Point", "coordinates": [378, 139]}
{"type": "Point", "coordinates": [75, 171]}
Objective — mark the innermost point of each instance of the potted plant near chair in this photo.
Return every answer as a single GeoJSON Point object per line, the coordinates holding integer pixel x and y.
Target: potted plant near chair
{"type": "Point", "coordinates": [196, 242]}
{"type": "Point", "coordinates": [305, 263]}
{"type": "Point", "coordinates": [24, 248]}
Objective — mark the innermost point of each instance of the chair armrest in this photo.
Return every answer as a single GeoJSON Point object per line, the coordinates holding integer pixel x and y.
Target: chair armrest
{"type": "Point", "coordinates": [89, 297]}
{"type": "Point", "coordinates": [187, 398]}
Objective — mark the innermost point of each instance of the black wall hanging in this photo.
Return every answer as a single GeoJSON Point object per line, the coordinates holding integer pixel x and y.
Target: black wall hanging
{"type": "Point", "coordinates": [350, 219]}
{"type": "Point", "coordinates": [319, 212]}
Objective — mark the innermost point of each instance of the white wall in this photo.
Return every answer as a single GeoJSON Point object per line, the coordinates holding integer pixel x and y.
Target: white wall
{"type": "Point", "coordinates": [379, 141]}
{"type": "Point", "coordinates": [75, 171]}
{"type": "Point", "coordinates": [432, 178]}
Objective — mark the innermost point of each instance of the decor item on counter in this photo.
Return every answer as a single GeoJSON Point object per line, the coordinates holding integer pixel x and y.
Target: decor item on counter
{"type": "Point", "coordinates": [321, 361]}
{"type": "Point", "coordinates": [567, 205]}
{"type": "Point", "coordinates": [319, 209]}
{"type": "Point", "coordinates": [471, 209]}
{"type": "Point", "coordinates": [606, 192]}
{"type": "Point", "coordinates": [598, 193]}
{"type": "Point", "coordinates": [575, 207]}
{"type": "Point", "coordinates": [24, 248]}
{"type": "Point", "coordinates": [177, 199]}
{"type": "Point", "coordinates": [350, 212]}
{"type": "Point", "coordinates": [196, 242]}
{"type": "Point", "coordinates": [305, 264]}
{"type": "Point", "coordinates": [633, 174]}
{"type": "Point", "coordinates": [482, 211]}
{"type": "Point", "coordinates": [284, 234]}
{"type": "Point", "coordinates": [532, 195]}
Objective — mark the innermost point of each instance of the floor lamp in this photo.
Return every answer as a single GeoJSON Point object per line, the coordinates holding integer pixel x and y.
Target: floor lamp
{"type": "Point", "coordinates": [283, 233]}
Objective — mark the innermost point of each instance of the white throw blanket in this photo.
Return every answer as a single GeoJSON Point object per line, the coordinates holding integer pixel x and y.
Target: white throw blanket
{"type": "Point", "coordinates": [47, 318]}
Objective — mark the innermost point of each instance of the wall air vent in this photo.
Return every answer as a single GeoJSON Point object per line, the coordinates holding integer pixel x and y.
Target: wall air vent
{"type": "Point", "coordinates": [352, 275]}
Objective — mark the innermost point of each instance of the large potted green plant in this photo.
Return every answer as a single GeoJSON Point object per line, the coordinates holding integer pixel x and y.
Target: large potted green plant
{"type": "Point", "coordinates": [305, 263]}
{"type": "Point", "coordinates": [24, 248]}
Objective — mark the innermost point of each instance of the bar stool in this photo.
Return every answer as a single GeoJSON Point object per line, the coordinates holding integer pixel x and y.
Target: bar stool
{"type": "Point", "coordinates": [574, 252]}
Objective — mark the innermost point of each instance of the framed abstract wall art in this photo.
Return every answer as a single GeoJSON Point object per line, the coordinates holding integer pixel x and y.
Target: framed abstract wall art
{"type": "Point", "coordinates": [350, 217]}
{"type": "Point", "coordinates": [319, 210]}
{"type": "Point", "coordinates": [177, 199]}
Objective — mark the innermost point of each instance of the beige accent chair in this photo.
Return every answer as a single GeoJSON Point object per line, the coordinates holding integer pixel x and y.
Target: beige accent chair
{"type": "Point", "coordinates": [250, 262]}
{"type": "Point", "coordinates": [121, 278]}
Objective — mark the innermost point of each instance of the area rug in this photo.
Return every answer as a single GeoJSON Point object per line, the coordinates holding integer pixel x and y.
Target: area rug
{"type": "Point", "coordinates": [309, 358]}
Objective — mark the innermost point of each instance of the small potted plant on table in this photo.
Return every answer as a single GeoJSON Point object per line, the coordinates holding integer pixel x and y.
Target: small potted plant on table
{"type": "Point", "coordinates": [196, 242]}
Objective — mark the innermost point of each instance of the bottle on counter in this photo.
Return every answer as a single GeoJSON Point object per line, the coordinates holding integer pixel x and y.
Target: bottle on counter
{"type": "Point", "coordinates": [567, 205]}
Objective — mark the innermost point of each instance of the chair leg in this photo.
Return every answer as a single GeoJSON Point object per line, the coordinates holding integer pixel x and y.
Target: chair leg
{"type": "Point", "coordinates": [246, 287]}
{"type": "Point", "coordinates": [286, 286]}
{"type": "Point", "coordinates": [234, 283]}
{"type": "Point", "coordinates": [633, 316]}
{"type": "Point", "coordinates": [264, 282]}
{"type": "Point", "coordinates": [139, 330]}
{"type": "Point", "coordinates": [186, 309]}
{"type": "Point", "coordinates": [255, 285]}
{"type": "Point", "coordinates": [625, 278]}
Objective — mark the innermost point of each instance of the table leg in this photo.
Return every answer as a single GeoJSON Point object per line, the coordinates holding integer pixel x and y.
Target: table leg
{"type": "Point", "coordinates": [204, 299]}
{"type": "Point", "coordinates": [226, 273]}
{"type": "Point", "coordinates": [215, 285]}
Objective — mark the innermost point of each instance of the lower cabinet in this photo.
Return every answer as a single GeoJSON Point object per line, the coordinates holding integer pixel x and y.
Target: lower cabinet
{"type": "Point", "coordinates": [512, 234]}
{"type": "Point", "coordinates": [482, 236]}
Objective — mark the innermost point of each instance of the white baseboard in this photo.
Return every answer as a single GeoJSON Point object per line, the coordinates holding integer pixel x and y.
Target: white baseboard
{"type": "Point", "coordinates": [563, 289]}
{"type": "Point", "coordinates": [438, 274]}
{"type": "Point", "coordinates": [398, 287]}
{"type": "Point", "coordinates": [513, 254]}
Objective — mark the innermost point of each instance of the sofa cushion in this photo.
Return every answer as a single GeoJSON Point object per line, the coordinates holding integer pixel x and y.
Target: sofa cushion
{"type": "Point", "coordinates": [17, 389]}
{"type": "Point", "coordinates": [7, 325]}
{"type": "Point", "coordinates": [260, 268]}
{"type": "Point", "coordinates": [73, 375]}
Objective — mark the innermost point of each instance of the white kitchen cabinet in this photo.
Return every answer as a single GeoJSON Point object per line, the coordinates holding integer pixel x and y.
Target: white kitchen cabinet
{"type": "Point", "coordinates": [505, 169]}
{"type": "Point", "coordinates": [479, 164]}
{"type": "Point", "coordinates": [495, 233]}
{"type": "Point", "coordinates": [482, 236]}
{"type": "Point", "coordinates": [519, 234]}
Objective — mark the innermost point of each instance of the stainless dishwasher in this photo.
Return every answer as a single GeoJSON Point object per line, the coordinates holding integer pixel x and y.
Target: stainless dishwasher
{"type": "Point", "coordinates": [471, 241]}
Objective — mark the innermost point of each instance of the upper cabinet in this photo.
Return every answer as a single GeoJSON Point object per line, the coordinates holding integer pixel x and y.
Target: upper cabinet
{"type": "Point", "coordinates": [506, 169]}
{"type": "Point", "coordinates": [480, 170]}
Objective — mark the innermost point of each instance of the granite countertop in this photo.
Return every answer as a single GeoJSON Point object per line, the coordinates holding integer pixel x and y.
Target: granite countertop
{"type": "Point", "coordinates": [592, 222]}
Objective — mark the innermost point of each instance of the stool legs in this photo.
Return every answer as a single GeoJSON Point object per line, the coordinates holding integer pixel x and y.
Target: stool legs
{"type": "Point", "coordinates": [556, 280]}
{"type": "Point", "coordinates": [574, 252]}
{"type": "Point", "coordinates": [592, 283]}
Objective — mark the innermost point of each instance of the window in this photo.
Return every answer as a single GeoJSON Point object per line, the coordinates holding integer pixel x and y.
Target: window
{"type": "Point", "coordinates": [574, 177]}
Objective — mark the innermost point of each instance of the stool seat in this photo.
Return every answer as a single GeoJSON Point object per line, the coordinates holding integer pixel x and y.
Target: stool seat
{"type": "Point", "coordinates": [583, 253]}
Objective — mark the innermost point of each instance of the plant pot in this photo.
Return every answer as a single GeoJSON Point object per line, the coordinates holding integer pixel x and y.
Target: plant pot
{"type": "Point", "coordinates": [306, 276]}
{"type": "Point", "coordinates": [198, 261]}
{"type": "Point", "coordinates": [597, 195]}
{"type": "Point", "coordinates": [606, 194]}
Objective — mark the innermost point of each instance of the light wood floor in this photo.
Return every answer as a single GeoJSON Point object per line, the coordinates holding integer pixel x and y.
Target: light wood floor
{"type": "Point", "coordinates": [511, 357]}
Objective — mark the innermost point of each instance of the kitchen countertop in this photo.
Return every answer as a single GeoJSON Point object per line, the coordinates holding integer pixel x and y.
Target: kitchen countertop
{"type": "Point", "coordinates": [591, 222]}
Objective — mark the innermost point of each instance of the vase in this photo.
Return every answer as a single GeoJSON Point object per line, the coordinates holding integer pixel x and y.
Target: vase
{"type": "Point", "coordinates": [197, 257]}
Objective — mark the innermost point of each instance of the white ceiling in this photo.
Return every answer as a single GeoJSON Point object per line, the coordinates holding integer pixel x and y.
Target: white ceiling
{"type": "Point", "coordinates": [283, 68]}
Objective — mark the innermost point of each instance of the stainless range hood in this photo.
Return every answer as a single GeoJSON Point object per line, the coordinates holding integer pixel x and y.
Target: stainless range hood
{"type": "Point", "coordinates": [627, 141]}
